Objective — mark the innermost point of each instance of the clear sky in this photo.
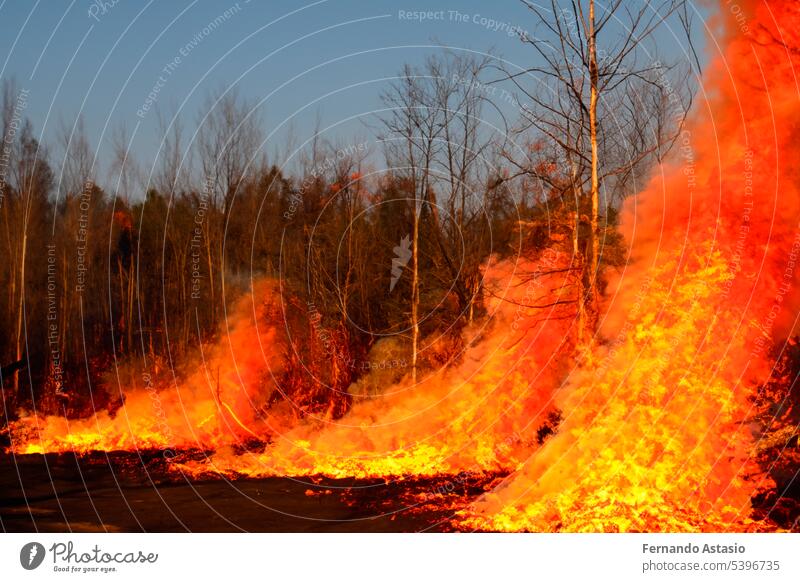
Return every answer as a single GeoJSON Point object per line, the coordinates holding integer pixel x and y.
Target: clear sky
{"type": "Point", "coordinates": [102, 59]}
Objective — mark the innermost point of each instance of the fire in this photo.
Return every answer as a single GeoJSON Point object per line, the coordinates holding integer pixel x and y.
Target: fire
{"type": "Point", "coordinates": [220, 403]}
{"type": "Point", "coordinates": [650, 440]}
{"type": "Point", "coordinates": [656, 434]}
{"type": "Point", "coordinates": [651, 423]}
{"type": "Point", "coordinates": [476, 415]}
{"type": "Point", "coordinates": [480, 416]}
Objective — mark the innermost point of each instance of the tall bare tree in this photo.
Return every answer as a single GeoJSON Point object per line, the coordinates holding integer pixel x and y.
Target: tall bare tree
{"type": "Point", "coordinates": [461, 170]}
{"type": "Point", "coordinates": [33, 180]}
{"type": "Point", "coordinates": [123, 171]}
{"type": "Point", "coordinates": [436, 142]}
{"type": "Point", "coordinates": [77, 158]}
{"type": "Point", "coordinates": [413, 138]}
{"type": "Point", "coordinates": [174, 161]}
{"type": "Point", "coordinates": [229, 139]}
{"type": "Point", "coordinates": [607, 103]}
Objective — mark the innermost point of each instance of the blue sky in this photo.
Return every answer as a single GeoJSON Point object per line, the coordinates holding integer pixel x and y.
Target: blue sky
{"type": "Point", "coordinates": [102, 59]}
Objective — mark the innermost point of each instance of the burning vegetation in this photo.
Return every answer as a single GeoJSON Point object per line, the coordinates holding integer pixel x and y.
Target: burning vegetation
{"type": "Point", "coordinates": [575, 365]}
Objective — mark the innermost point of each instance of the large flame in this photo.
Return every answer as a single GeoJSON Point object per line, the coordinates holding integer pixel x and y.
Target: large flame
{"type": "Point", "coordinates": [473, 415]}
{"type": "Point", "coordinates": [480, 415]}
{"type": "Point", "coordinates": [655, 432]}
{"type": "Point", "coordinates": [221, 402]}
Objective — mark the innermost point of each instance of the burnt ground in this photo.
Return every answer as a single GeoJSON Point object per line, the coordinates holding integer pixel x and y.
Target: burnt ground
{"type": "Point", "coordinates": [136, 492]}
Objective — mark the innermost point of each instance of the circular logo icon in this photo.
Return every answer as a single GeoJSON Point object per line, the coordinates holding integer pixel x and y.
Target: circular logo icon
{"type": "Point", "coordinates": [31, 555]}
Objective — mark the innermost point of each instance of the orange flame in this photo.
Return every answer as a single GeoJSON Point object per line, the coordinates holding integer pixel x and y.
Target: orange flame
{"type": "Point", "coordinates": [656, 434]}
{"type": "Point", "coordinates": [220, 403]}
{"type": "Point", "coordinates": [478, 416]}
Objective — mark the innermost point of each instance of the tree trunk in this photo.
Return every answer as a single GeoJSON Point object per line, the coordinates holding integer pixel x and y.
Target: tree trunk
{"type": "Point", "coordinates": [415, 293]}
{"type": "Point", "coordinates": [21, 304]}
{"type": "Point", "coordinates": [577, 256]}
{"type": "Point", "coordinates": [593, 263]}
{"type": "Point", "coordinates": [131, 289]}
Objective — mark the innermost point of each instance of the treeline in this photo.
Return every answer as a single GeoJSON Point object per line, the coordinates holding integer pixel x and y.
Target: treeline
{"type": "Point", "coordinates": [98, 276]}
{"type": "Point", "coordinates": [141, 270]}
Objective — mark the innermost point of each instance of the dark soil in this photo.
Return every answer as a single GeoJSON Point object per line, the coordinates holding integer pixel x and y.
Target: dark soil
{"type": "Point", "coordinates": [138, 492]}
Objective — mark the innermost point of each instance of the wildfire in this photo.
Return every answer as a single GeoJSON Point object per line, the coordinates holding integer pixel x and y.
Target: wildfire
{"type": "Point", "coordinates": [650, 440]}
{"type": "Point", "coordinates": [481, 415]}
{"type": "Point", "coordinates": [651, 425]}
{"type": "Point", "coordinates": [221, 403]}
{"type": "Point", "coordinates": [656, 434]}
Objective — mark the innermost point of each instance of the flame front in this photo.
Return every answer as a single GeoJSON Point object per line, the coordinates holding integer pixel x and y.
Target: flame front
{"type": "Point", "coordinates": [653, 439]}
{"type": "Point", "coordinates": [655, 433]}
{"type": "Point", "coordinates": [219, 404]}
{"type": "Point", "coordinates": [480, 416]}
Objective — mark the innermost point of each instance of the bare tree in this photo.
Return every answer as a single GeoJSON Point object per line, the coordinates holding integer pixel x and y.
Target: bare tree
{"type": "Point", "coordinates": [32, 182]}
{"type": "Point", "coordinates": [123, 171]}
{"type": "Point", "coordinates": [606, 103]}
{"type": "Point", "coordinates": [229, 138]}
{"type": "Point", "coordinates": [462, 167]}
{"type": "Point", "coordinates": [413, 138]}
{"type": "Point", "coordinates": [173, 173]}
{"type": "Point", "coordinates": [435, 142]}
{"type": "Point", "coordinates": [77, 158]}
